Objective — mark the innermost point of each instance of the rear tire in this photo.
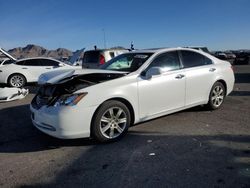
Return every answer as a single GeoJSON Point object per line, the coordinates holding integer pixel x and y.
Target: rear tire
{"type": "Point", "coordinates": [111, 121]}
{"type": "Point", "coordinates": [16, 80]}
{"type": "Point", "coordinates": [216, 96]}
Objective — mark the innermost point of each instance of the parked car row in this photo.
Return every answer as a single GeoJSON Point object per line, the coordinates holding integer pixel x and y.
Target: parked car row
{"type": "Point", "coordinates": [240, 57]}
{"type": "Point", "coordinates": [20, 72]}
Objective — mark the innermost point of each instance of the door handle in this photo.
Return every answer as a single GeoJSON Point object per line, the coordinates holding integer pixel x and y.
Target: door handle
{"type": "Point", "coordinates": [24, 68]}
{"type": "Point", "coordinates": [180, 76]}
{"type": "Point", "coordinates": [48, 68]}
{"type": "Point", "coordinates": [212, 69]}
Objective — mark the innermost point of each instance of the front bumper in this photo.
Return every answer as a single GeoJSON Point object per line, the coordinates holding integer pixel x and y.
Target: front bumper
{"type": "Point", "coordinates": [66, 122]}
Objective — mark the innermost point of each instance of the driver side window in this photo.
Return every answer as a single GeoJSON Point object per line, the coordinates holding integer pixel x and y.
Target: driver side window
{"type": "Point", "coordinates": [167, 61]}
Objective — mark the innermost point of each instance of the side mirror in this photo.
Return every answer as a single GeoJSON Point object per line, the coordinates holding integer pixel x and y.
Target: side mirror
{"type": "Point", "coordinates": [61, 65]}
{"type": "Point", "coordinates": [153, 71]}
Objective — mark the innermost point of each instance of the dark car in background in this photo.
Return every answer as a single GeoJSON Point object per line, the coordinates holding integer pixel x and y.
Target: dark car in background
{"type": "Point", "coordinates": [242, 57]}
{"type": "Point", "coordinates": [225, 55]}
{"type": "Point", "coordinates": [94, 58]}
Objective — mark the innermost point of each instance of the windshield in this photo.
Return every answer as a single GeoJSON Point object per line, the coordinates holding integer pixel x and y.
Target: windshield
{"type": "Point", "coordinates": [129, 62]}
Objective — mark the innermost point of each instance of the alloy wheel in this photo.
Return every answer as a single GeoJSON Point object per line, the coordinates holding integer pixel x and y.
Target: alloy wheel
{"type": "Point", "coordinates": [113, 122]}
{"type": "Point", "coordinates": [17, 81]}
{"type": "Point", "coordinates": [217, 96]}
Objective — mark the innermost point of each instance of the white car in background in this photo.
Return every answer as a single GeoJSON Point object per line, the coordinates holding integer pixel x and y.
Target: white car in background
{"type": "Point", "coordinates": [131, 88]}
{"type": "Point", "coordinates": [28, 70]}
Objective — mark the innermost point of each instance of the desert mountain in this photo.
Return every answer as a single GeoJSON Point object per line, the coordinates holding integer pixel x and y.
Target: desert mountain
{"type": "Point", "coordinates": [32, 50]}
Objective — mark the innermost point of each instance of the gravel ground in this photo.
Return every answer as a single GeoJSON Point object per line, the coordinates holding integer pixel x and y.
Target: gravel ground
{"type": "Point", "coordinates": [192, 148]}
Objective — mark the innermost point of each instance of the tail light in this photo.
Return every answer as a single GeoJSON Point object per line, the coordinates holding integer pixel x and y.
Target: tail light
{"type": "Point", "coordinates": [101, 59]}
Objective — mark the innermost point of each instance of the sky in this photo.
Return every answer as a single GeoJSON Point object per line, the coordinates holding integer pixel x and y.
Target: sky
{"type": "Point", "coordinates": [75, 24]}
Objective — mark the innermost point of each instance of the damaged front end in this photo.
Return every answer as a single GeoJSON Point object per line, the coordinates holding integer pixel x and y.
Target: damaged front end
{"type": "Point", "coordinates": [63, 92]}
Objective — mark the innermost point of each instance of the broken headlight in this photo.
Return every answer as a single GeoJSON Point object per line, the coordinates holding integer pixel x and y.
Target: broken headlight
{"type": "Point", "coordinates": [69, 100]}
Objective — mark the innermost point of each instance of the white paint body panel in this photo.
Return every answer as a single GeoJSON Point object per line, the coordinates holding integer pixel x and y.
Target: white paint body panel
{"type": "Point", "coordinates": [155, 97]}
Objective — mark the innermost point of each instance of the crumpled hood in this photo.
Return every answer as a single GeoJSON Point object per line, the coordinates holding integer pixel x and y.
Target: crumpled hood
{"type": "Point", "coordinates": [54, 77]}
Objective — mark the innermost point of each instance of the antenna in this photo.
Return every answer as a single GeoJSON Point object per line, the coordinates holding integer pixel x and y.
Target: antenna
{"type": "Point", "coordinates": [132, 45]}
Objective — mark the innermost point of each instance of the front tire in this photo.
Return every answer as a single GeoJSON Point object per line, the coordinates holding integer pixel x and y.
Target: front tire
{"type": "Point", "coordinates": [16, 80]}
{"type": "Point", "coordinates": [217, 96]}
{"type": "Point", "coordinates": [111, 121]}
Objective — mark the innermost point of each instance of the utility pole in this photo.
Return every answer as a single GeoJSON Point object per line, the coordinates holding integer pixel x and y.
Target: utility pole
{"type": "Point", "coordinates": [104, 38]}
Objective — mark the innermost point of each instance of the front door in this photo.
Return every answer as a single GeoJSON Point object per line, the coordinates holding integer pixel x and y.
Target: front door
{"type": "Point", "coordinates": [164, 92]}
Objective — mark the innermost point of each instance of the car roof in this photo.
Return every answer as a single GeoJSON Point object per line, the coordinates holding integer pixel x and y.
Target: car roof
{"type": "Point", "coordinates": [102, 50]}
{"type": "Point", "coordinates": [45, 58]}
{"type": "Point", "coordinates": [162, 50]}
{"type": "Point", "coordinates": [159, 50]}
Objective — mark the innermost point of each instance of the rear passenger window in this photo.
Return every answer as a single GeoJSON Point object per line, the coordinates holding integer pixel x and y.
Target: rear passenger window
{"type": "Point", "coordinates": [167, 61]}
{"type": "Point", "coordinates": [48, 62]}
{"type": "Point", "coordinates": [31, 62]}
{"type": "Point", "coordinates": [193, 59]}
{"type": "Point", "coordinates": [20, 63]}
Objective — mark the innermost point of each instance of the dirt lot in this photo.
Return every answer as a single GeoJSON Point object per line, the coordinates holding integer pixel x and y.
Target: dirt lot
{"type": "Point", "coordinates": [192, 148]}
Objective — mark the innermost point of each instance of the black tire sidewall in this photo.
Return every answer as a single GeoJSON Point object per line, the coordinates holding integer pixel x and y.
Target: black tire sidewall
{"type": "Point", "coordinates": [95, 128]}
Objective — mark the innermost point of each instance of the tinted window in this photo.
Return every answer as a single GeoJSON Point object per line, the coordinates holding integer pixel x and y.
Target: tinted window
{"type": "Point", "coordinates": [32, 62]}
{"type": "Point", "coordinates": [7, 62]}
{"type": "Point", "coordinates": [48, 62]}
{"type": "Point", "coordinates": [167, 61]}
{"type": "Point", "coordinates": [193, 59]}
{"type": "Point", "coordinates": [91, 57]}
{"type": "Point", "coordinates": [20, 62]}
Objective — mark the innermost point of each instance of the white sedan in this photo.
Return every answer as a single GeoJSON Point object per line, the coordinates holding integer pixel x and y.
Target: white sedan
{"type": "Point", "coordinates": [28, 70]}
{"type": "Point", "coordinates": [131, 88]}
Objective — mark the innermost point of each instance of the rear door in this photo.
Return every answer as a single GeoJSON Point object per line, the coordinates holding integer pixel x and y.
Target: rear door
{"type": "Point", "coordinates": [200, 73]}
{"type": "Point", "coordinates": [48, 64]}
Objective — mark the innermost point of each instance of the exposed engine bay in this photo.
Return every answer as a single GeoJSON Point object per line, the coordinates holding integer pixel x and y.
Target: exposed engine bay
{"type": "Point", "coordinates": [48, 94]}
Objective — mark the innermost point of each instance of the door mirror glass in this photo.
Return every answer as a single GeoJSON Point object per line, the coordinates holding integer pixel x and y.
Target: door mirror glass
{"type": "Point", "coordinates": [153, 71]}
